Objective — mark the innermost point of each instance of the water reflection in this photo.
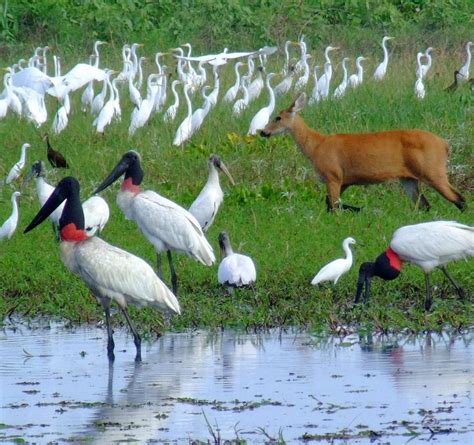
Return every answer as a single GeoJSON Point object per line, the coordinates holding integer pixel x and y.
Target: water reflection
{"type": "Point", "coordinates": [63, 388]}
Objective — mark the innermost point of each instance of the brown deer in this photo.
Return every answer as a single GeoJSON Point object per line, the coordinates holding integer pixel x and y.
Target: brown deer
{"type": "Point", "coordinates": [342, 160]}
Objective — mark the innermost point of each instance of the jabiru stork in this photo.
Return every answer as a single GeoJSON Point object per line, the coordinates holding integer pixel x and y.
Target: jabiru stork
{"type": "Point", "coordinates": [109, 272]}
{"type": "Point", "coordinates": [168, 226]}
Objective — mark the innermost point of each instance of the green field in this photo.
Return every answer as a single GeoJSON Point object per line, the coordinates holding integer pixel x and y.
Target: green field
{"type": "Point", "coordinates": [275, 213]}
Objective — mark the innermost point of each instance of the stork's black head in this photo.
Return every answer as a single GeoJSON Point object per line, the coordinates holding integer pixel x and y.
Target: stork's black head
{"type": "Point", "coordinates": [130, 165]}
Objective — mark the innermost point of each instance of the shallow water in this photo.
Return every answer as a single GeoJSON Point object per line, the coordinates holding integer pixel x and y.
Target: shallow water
{"type": "Point", "coordinates": [56, 385]}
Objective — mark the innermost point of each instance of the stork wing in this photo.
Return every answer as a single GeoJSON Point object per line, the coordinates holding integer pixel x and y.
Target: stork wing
{"type": "Point", "coordinates": [112, 272]}
{"type": "Point", "coordinates": [33, 78]}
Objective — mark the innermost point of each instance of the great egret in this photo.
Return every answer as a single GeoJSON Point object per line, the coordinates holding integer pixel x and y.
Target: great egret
{"type": "Point", "coordinates": [215, 91]}
{"type": "Point", "coordinates": [170, 113]}
{"type": "Point", "coordinates": [184, 131]}
{"type": "Point", "coordinates": [200, 114]}
{"type": "Point", "coordinates": [335, 269]}
{"type": "Point", "coordinates": [263, 115]}
{"type": "Point", "coordinates": [315, 96]}
{"type": "Point", "coordinates": [303, 80]}
{"type": "Point", "coordinates": [107, 112]}
{"type": "Point", "coordinates": [141, 114]}
{"type": "Point", "coordinates": [165, 224]}
{"type": "Point", "coordinates": [464, 70]}
{"type": "Point", "coordinates": [88, 94]}
{"type": "Point", "coordinates": [231, 93]}
{"type": "Point", "coordinates": [135, 96]}
{"type": "Point", "coordinates": [242, 103]}
{"type": "Point", "coordinates": [204, 208]}
{"type": "Point", "coordinates": [381, 69]}
{"type": "Point", "coordinates": [356, 79]}
{"type": "Point", "coordinates": [15, 171]}
{"type": "Point", "coordinates": [235, 269]}
{"type": "Point", "coordinates": [55, 158]}
{"type": "Point", "coordinates": [325, 80]}
{"type": "Point", "coordinates": [285, 85]}
{"type": "Point", "coordinates": [256, 86]}
{"type": "Point", "coordinates": [109, 272]}
{"type": "Point", "coordinates": [423, 69]}
{"type": "Point", "coordinates": [419, 86]}
{"type": "Point", "coordinates": [341, 89]}
{"type": "Point", "coordinates": [428, 245]}
{"type": "Point", "coordinates": [99, 100]}
{"type": "Point", "coordinates": [61, 119]}
{"type": "Point", "coordinates": [9, 226]}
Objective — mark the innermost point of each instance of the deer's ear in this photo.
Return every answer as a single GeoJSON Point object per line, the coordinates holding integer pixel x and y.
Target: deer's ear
{"type": "Point", "coordinates": [299, 103]}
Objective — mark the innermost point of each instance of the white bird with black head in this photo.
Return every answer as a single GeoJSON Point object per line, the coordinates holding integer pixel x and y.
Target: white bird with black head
{"type": "Point", "coordinates": [428, 245]}
{"type": "Point", "coordinates": [112, 274]}
{"type": "Point", "coordinates": [164, 223]}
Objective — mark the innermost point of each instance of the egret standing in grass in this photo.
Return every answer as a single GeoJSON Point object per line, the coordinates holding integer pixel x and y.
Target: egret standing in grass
{"type": "Point", "coordinates": [235, 269]}
{"type": "Point", "coordinates": [381, 69]}
{"type": "Point", "coordinates": [15, 171]}
{"type": "Point", "coordinates": [109, 272]}
{"type": "Point", "coordinates": [428, 245]}
{"type": "Point", "coordinates": [464, 70]}
{"type": "Point", "coordinates": [335, 269]}
{"type": "Point", "coordinates": [9, 226]}
{"type": "Point", "coordinates": [205, 206]}
{"type": "Point", "coordinates": [356, 79]}
{"type": "Point", "coordinates": [260, 120]}
{"type": "Point", "coordinates": [164, 223]}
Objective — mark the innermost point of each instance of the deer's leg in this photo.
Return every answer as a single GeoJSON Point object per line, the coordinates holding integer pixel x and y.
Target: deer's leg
{"type": "Point", "coordinates": [335, 189]}
{"type": "Point", "coordinates": [441, 184]}
{"type": "Point", "coordinates": [412, 189]}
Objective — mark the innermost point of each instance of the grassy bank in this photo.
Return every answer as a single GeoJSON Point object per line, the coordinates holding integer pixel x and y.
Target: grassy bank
{"type": "Point", "coordinates": [275, 213]}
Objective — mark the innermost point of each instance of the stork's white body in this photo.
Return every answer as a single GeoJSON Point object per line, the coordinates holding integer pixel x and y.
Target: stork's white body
{"type": "Point", "coordinates": [433, 244]}
{"type": "Point", "coordinates": [205, 206]}
{"type": "Point", "coordinates": [165, 224]}
{"type": "Point", "coordinates": [236, 270]}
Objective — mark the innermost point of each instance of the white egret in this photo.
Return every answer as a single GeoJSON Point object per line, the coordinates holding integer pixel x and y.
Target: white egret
{"type": "Point", "coordinates": [335, 269]}
{"type": "Point", "coordinates": [140, 72]}
{"type": "Point", "coordinates": [9, 226]}
{"type": "Point", "coordinates": [99, 100]}
{"type": "Point", "coordinates": [464, 70]}
{"type": "Point", "coordinates": [419, 86]}
{"type": "Point", "coordinates": [184, 131]}
{"type": "Point", "coordinates": [15, 171]}
{"type": "Point", "coordinates": [341, 89]}
{"type": "Point", "coordinates": [356, 79]}
{"type": "Point", "coordinates": [109, 272]}
{"type": "Point", "coordinates": [285, 85]}
{"type": "Point", "coordinates": [303, 80]}
{"type": "Point", "coordinates": [428, 245]}
{"type": "Point", "coordinates": [88, 94]}
{"type": "Point", "coordinates": [107, 112]}
{"type": "Point", "coordinates": [204, 208]}
{"type": "Point", "coordinates": [135, 96]}
{"type": "Point", "coordinates": [423, 69]}
{"type": "Point", "coordinates": [170, 113]}
{"type": "Point", "coordinates": [381, 69]}
{"type": "Point", "coordinates": [200, 114]}
{"type": "Point", "coordinates": [61, 119]}
{"type": "Point", "coordinates": [215, 91]}
{"type": "Point", "coordinates": [141, 114]}
{"type": "Point", "coordinates": [256, 86]}
{"type": "Point", "coordinates": [235, 269]}
{"type": "Point", "coordinates": [242, 103]}
{"type": "Point", "coordinates": [315, 96]}
{"type": "Point", "coordinates": [325, 80]}
{"type": "Point", "coordinates": [263, 115]}
{"type": "Point", "coordinates": [125, 73]}
{"type": "Point", "coordinates": [164, 223]}
{"type": "Point", "coordinates": [231, 93]}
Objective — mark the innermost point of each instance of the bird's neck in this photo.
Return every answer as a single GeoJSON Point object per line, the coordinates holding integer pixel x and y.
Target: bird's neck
{"type": "Point", "coordinates": [129, 186]}
{"type": "Point", "coordinates": [388, 265]}
{"type": "Point", "coordinates": [71, 223]}
{"type": "Point", "coordinates": [348, 252]}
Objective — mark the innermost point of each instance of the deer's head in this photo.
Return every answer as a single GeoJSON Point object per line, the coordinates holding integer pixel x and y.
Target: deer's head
{"type": "Point", "coordinates": [284, 119]}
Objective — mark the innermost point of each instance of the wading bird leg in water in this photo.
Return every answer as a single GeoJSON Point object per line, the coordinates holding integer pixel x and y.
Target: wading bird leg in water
{"type": "Point", "coordinates": [136, 337]}
{"type": "Point", "coordinates": [458, 288]}
{"type": "Point", "coordinates": [110, 339]}
{"type": "Point", "coordinates": [174, 278]}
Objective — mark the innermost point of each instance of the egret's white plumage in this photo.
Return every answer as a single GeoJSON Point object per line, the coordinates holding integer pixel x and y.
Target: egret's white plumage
{"type": "Point", "coordinates": [204, 208]}
{"type": "Point", "coordinates": [423, 69]}
{"type": "Point", "coordinates": [356, 79]}
{"type": "Point", "coordinates": [235, 269]}
{"type": "Point", "coordinates": [200, 114]}
{"type": "Point", "coordinates": [15, 171]}
{"type": "Point", "coordinates": [335, 269]}
{"type": "Point", "coordinates": [184, 131]}
{"type": "Point", "coordinates": [260, 120]}
{"type": "Point", "coordinates": [141, 114]}
{"type": "Point", "coordinates": [231, 93]}
{"type": "Point", "coordinates": [325, 80]}
{"type": "Point", "coordinates": [9, 226]}
{"type": "Point", "coordinates": [341, 89]}
{"type": "Point", "coordinates": [242, 103]}
{"type": "Point", "coordinates": [315, 96]}
{"type": "Point", "coordinates": [170, 113]}
{"type": "Point", "coordinates": [381, 69]}
{"type": "Point", "coordinates": [464, 70]}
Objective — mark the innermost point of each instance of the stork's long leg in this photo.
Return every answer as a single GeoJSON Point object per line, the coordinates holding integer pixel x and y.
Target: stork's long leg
{"type": "Point", "coordinates": [174, 278]}
{"type": "Point", "coordinates": [159, 268]}
{"type": "Point", "coordinates": [428, 298]}
{"type": "Point", "coordinates": [136, 337]}
{"type": "Point", "coordinates": [458, 288]}
{"type": "Point", "coordinates": [110, 338]}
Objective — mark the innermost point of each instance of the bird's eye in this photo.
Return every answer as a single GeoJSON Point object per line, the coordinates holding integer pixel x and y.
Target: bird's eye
{"type": "Point", "coordinates": [278, 118]}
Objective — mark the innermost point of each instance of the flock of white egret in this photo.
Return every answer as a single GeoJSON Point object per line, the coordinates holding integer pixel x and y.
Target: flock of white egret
{"type": "Point", "coordinates": [113, 274]}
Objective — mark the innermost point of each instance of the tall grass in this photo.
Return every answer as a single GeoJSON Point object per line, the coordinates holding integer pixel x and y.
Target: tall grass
{"type": "Point", "coordinates": [275, 213]}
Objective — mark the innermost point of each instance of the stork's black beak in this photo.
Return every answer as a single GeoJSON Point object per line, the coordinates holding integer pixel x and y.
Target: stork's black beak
{"type": "Point", "coordinates": [60, 193]}
{"type": "Point", "coordinates": [365, 276]}
{"type": "Point", "coordinates": [118, 171]}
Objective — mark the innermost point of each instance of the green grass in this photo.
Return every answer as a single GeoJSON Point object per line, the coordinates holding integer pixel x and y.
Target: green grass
{"type": "Point", "coordinates": [275, 213]}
